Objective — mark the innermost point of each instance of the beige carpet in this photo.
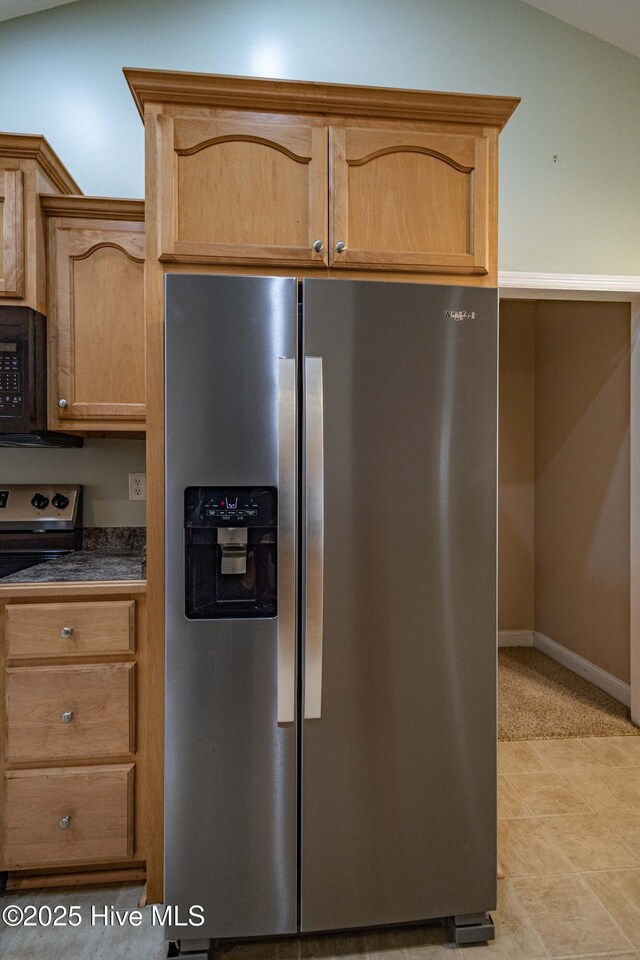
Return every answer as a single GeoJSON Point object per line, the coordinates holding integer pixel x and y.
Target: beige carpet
{"type": "Point", "coordinates": [538, 699]}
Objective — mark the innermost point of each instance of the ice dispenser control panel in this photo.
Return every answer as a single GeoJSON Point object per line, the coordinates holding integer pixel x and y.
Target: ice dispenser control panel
{"type": "Point", "coordinates": [230, 552]}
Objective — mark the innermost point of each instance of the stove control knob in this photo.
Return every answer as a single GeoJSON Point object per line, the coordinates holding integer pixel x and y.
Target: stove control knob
{"type": "Point", "coordinates": [39, 501]}
{"type": "Point", "coordinates": [59, 501]}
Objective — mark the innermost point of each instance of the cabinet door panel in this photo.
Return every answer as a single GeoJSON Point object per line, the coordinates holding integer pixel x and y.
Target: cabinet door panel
{"type": "Point", "coordinates": [98, 324]}
{"type": "Point", "coordinates": [11, 233]}
{"type": "Point", "coordinates": [409, 199]}
{"type": "Point", "coordinates": [42, 629]}
{"type": "Point", "coordinates": [97, 802]}
{"type": "Point", "coordinates": [97, 703]}
{"type": "Point", "coordinates": [242, 190]}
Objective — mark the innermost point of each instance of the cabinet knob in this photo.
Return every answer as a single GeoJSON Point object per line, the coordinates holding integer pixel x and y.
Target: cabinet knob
{"type": "Point", "coordinates": [318, 246]}
{"type": "Point", "coordinates": [67, 716]}
{"type": "Point", "coordinates": [341, 246]}
{"type": "Point", "coordinates": [66, 632]}
{"type": "Point", "coordinates": [65, 823]}
{"type": "Point", "coordinates": [63, 403]}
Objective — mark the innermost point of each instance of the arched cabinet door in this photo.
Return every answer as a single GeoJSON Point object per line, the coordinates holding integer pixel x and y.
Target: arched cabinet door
{"type": "Point", "coordinates": [247, 190]}
{"type": "Point", "coordinates": [96, 325]}
{"type": "Point", "coordinates": [404, 199]}
{"type": "Point", "coordinates": [11, 233]}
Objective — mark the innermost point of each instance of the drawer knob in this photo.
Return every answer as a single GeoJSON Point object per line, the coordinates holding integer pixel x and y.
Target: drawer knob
{"type": "Point", "coordinates": [65, 823]}
{"type": "Point", "coordinates": [62, 403]}
{"type": "Point", "coordinates": [66, 632]}
{"type": "Point", "coordinates": [318, 246]}
{"type": "Point", "coordinates": [341, 246]}
{"type": "Point", "coordinates": [67, 716]}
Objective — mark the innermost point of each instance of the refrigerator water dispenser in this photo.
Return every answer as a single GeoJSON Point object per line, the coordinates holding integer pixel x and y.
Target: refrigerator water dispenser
{"type": "Point", "coordinates": [230, 552]}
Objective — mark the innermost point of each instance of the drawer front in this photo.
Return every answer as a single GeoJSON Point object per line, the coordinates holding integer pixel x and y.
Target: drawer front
{"type": "Point", "coordinates": [56, 713]}
{"type": "Point", "coordinates": [68, 815]}
{"type": "Point", "coordinates": [70, 629]}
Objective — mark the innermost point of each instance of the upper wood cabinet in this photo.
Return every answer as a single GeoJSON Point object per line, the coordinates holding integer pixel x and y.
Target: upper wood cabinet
{"type": "Point", "coordinates": [305, 175]}
{"type": "Point", "coordinates": [242, 190]}
{"type": "Point", "coordinates": [28, 166]}
{"type": "Point", "coordinates": [96, 313]}
{"type": "Point", "coordinates": [411, 200]}
{"type": "Point", "coordinates": [11, 233]}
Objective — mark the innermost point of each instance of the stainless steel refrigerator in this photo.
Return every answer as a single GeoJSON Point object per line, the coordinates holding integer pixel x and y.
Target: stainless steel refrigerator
{"type": "Point", "coordinates": [331, 451]}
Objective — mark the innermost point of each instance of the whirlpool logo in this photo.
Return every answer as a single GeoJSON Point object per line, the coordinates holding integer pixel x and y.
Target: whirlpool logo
{"type": "Point", "coordinates": [459, 315]}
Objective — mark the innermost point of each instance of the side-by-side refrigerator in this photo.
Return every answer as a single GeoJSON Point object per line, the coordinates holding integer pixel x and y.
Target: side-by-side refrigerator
{"type": "Point", "coordinates": [331, 451]}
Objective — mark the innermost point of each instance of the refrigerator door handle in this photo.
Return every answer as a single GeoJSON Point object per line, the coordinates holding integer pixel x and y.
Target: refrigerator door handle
{"type": "Point", "coordinates": [314, 599]}
{"type": "Point", "coordinates": [286, 540]}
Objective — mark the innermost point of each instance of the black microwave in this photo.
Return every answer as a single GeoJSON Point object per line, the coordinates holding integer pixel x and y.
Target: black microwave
{"type": "Point", "coordinates": [23, 381]}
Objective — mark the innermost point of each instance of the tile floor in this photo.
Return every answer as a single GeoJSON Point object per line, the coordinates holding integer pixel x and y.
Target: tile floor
{"type": "Point", "coordinates": [569, 838]}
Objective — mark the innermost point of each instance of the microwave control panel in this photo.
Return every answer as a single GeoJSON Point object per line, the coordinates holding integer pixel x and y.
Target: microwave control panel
{"type": "Point", "coordinates": [23, 370]}
{"type": "Point", "coordinates": [11, 378]}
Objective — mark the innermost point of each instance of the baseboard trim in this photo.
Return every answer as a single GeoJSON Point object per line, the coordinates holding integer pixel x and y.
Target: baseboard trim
{"type": "Point", "coordinates": [515, 638]}
{"type": "Point", "coordinates": [584, 668]}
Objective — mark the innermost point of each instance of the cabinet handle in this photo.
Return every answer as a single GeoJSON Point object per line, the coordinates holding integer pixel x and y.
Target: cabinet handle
{"type": "Point", "coordinates": [341, 246]}
{"type": "Point", "coordinates": [318, 246]}
{"type": "Point", "coordinates": [65, 823]}
{"type": "Point", "coordinates": [63, 403]}
{"type": "Point", "coordinates": [66, 632]}
{"type": "Point", "coordinates": [67, 716]}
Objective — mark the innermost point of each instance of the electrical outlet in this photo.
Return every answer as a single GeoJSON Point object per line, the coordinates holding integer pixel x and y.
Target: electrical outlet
{"type": "Point", "coordinates": [137, 486]}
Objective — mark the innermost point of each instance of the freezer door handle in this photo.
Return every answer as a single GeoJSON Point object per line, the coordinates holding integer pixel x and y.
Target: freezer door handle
{"type": "Point", "coordinates": [286, 540]}
{"type": "Point", "coordinates": [314, 512]}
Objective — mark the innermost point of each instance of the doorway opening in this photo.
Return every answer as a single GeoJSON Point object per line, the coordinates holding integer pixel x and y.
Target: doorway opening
{"type": "Point", "coordinates": [564, 570]}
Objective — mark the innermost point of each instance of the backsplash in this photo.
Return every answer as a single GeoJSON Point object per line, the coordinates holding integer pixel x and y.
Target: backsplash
{"type": "Point", "coordinates": [101, 466]}
{"type": "Point", "coordinates": [114, 539]}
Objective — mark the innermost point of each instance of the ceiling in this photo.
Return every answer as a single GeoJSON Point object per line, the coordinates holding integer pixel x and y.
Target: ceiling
{"type": "Point", "coordinates": [18, 8]}
{"type": "Point", "coordinates": [617, 21]}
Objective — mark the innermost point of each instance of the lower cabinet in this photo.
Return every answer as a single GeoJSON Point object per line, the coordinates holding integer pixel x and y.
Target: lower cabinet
{"type": "Point", "coordinates": [69, 815]}
{"type": "Point", "coordinates": [74, 764]}
{"type": "Point", "coordinates": [62, 712]}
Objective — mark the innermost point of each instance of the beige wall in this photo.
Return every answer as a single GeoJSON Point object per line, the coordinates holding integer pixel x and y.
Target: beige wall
{"type": "Point", "coordinates": [563, 513]}
{"type": "Point", "coordinates": [582, 405]}
{"type": "Point", "coordinates": [515, 506]}
{"type": "Point", "coordinates": [102, 466]}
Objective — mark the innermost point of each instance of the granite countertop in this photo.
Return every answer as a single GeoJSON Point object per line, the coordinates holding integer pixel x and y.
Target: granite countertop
{"type": "Point", "coordinates": [109, 553]}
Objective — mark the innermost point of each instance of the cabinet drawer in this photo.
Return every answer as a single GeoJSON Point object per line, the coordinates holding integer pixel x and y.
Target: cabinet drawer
{"type": "Point", "coordinates": [98, 802]}
{"type": "Point", "coordinates": [70, 629]}
{"type": "Point", "coordinates": [56, 713]}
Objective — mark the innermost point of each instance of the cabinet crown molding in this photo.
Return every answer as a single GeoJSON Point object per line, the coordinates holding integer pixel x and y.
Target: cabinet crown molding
{"type": "Point", "coordinates": [30, 146]}
{"type": "Point", "coordinates": [104, 208]}
{"type": "Point", "coordinates": [334, 99]}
